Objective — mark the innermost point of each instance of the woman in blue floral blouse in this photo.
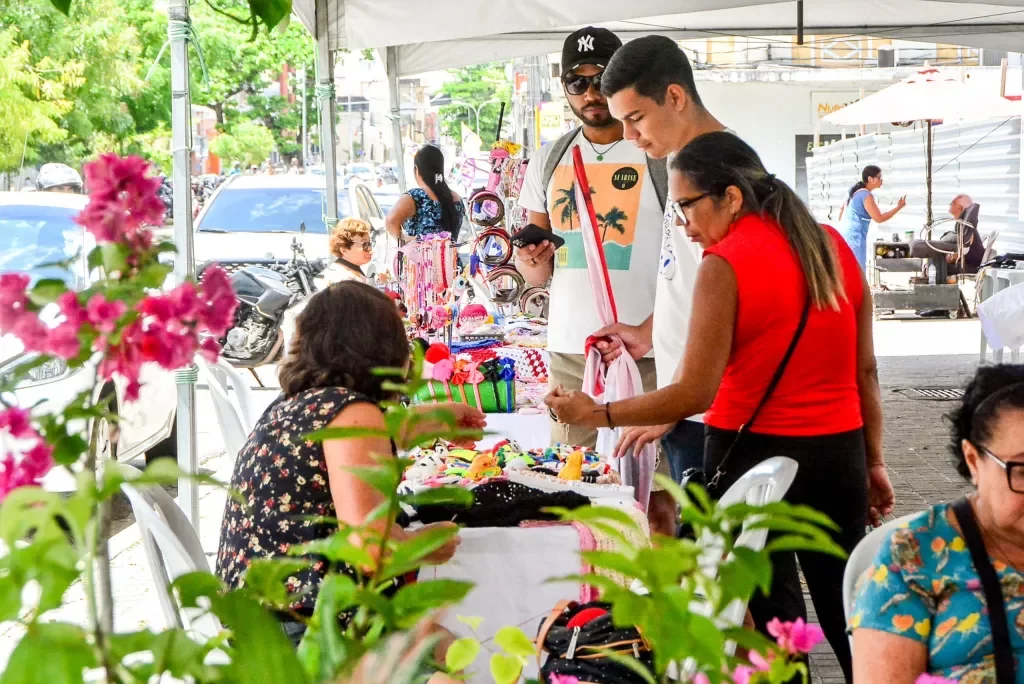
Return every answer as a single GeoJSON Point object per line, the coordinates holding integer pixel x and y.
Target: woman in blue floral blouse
{"type": "Point", "coordinates": [920, 608]}
{"type": "Point", "coordinates": [430, 208]}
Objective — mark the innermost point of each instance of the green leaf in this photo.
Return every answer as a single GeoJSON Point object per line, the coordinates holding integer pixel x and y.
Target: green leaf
{"type": "Point", "coordinates": [705, 639]}
{"type": "Point", "coordinates": [195, 585]}
{"type": "Point", "coordinates": [271, 657]}
{"type": "Point", "coordinates": [440, 496]}
{"type": "Point", "coordinates": [515, 642]}
{"type": "Point", "coordinates": [758, 564]}
{"type": "Point", "coordinates": [152, 277]}
{"type": "Point", "coordinates": [69, 449]}
{"type": "Point", "coordinates": [115, 257]}
{"type": "Point", "coordinates": [64, 6]}
{"type": "Point", "coordinates": [412, 601]}
{"type": "Point", "coordinates": [174, 652]}
{"type": "Point", "coordinates": [95, 258]}
{"type": "Point", "coordinates": [632, 664]}
{"type": "Point", "coordinates": [382, 478]}
{"type": "Point", "coordinates": [470, 621]}
{"type": "Point", "coordinates": [323, 649]}
{"type": "Point", "coordinates": [505, 668]}
{"type": "Point", "coordinates": [337, 548]}
{"type": "Point", "coordinates": [271, 12]}
{"type": "Point", "coordinates": [47, 291]}
{"type": "Point", "coordinates": [611, 560]}
{"type": "Point", "coordinates": [461, 654]}
{"type": "Point", "coordinates": [50, 652]}
{"type": "Point", "coordinates": [409, 555]}
{"type": "Point", "coordinates": [30, 509]}
{"type": "Point", "coordinates": [267, 578]}
{"type": "Point", "coordinates": [165, 246]}
{"type": "Point", "coordinates": [792, 542]}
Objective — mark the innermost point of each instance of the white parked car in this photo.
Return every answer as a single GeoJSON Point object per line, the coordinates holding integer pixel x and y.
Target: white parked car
{"type": "Point", "coordinates": [38, 228]}
{"type": "Point", "coordinates": [252, 218]}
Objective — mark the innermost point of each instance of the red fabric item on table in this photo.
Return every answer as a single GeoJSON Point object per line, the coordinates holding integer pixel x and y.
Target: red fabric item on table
{"type": "Point", "coordinates": [818, 393]}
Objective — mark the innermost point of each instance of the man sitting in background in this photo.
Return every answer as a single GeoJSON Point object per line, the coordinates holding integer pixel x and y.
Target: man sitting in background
{"type": "Point", "coordinates": [966, 212]}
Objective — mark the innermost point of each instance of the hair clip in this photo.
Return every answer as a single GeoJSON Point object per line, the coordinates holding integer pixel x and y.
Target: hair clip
{"type": "Point", "coordinates": [438, 178]}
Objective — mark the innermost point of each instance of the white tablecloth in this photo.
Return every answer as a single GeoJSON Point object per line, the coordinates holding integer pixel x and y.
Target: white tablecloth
{"type": "Point", "coordinates": [994, 280]}
{"type": "Point", "coordinates": [510, 567]}
{"type": "Point", "coordinates": [532, 431]}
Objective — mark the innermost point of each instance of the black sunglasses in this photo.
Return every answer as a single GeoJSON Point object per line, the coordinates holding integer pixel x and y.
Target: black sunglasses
{"type": "Point", "coordinates": [577, 84]}
{"type": "Point", "coordinates": [679, 205]}
{"type": "Point", "coordinates": [1014, 470]}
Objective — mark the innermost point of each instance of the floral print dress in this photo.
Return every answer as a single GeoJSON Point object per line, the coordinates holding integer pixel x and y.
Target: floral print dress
{"type": "Point", "coordinates": [923, 586]}
{"type": "Point", "coordinates": [282, 479]}
{"type": "Point", "coordinates": [427, 219]}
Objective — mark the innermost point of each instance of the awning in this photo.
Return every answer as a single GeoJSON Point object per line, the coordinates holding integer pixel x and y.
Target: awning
{"type": "Point", "coordinates": [455, 32]}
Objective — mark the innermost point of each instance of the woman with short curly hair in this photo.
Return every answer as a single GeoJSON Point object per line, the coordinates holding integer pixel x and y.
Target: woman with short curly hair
{"type": "Point", "coordinates": [352, 248]}
{"type": "Point", "coordinates": [922, 606]}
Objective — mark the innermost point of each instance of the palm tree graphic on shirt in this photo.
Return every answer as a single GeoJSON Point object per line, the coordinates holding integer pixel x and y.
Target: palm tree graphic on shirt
{"type": "Point", "coordinates": [612, 219]}
{"type": "Point", "coordinates": [566, 200]}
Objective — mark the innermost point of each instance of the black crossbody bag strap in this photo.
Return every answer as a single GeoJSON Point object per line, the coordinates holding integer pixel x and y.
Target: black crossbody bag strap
{"type": "Point", "coordinates": [1006, 668]}
{"type": "Point", "coordinates": [772, 384]}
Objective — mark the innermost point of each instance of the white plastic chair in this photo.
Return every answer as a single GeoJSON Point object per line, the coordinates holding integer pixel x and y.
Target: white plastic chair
{"type": "Point", "coordinates": [173, 549]}
{"type": "Point", "coordinates": [765, 483]}
{"type": "Point", "coordinates": [244, 399]}
{"type": "Point", "coordinates": [860, 560]}
{"type": "Point", "coordinates": [229, 412]}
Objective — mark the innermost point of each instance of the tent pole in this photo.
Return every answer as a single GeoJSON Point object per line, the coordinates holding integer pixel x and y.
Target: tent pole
{"type": "Point", "coordinates": [328, 111]}
{"type": "Point", "coordinates": [396, 115]}
{"type": "Point", "coordinates": [928, 170]}
{"type": "Point", "coordinates": [184, 264]}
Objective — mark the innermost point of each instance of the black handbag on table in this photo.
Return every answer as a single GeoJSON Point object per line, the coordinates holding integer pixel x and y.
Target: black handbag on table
{"type": "Point", "coordinates": [1006, 666]}
{"type": "Point", "coordinates": [699, 475]}
{"type": "Point", "coordinates": [580, 651]}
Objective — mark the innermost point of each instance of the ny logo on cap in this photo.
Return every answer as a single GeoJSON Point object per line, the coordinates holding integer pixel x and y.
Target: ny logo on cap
{"type": "Point", "coordinates": [585, 43]}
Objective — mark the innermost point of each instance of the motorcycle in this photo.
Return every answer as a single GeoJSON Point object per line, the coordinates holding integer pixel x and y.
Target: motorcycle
{"type": "Point", "coordinates": [268, 303]}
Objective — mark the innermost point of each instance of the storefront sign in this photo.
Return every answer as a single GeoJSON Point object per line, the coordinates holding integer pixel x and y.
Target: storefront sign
{"type": "Point", "coordinates": [552, 121]}
{"type": "Point", "coordinates": [825, 103]}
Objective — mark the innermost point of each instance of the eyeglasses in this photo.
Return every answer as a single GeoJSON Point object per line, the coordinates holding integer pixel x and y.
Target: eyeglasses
{"type": "Point", "coordinates": [679, 205]}
{"type": "Point", "coordinates": [1014, 470]}
{"type": "Point", "coordinates": [366, 246]}
{"type": "Point", "coordinates": [577, 84]}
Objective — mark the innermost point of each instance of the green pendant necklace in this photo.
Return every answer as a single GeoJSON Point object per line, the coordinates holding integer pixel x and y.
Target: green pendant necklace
{"type": "Point", "coordinates": [600, 154]}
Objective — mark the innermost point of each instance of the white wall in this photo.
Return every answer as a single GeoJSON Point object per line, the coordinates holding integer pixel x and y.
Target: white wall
{"type": "Point", "coordinates": [767, 116]}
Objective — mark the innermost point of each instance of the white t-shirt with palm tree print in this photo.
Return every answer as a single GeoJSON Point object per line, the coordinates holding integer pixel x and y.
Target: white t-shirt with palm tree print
{"type": "Point", "coordinates": [630, 220]}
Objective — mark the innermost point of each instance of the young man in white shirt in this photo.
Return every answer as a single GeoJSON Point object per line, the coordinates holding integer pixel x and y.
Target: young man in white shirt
{"type": "Point", "coordinates": [650, 88]}
{"type": "Point", "coordinates": [628, 190]}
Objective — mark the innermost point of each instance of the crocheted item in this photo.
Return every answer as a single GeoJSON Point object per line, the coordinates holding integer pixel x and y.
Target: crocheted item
{"type": "Point", "coordinates": [501, 503]}
{"type": "Point", "coordinates": [531, 364]}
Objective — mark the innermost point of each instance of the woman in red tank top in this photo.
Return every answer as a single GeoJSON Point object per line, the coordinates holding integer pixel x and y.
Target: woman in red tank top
{"type": "Point", "coordinates": [766, 259]}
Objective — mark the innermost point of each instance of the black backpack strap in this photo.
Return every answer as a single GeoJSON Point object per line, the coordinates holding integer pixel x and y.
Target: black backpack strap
{"type": "Point", "coordinates": [558, 150]}
{"type": "Point", "coordinates": [1006, 668]}
{"type": "Point", "coordinates": [658, 168]}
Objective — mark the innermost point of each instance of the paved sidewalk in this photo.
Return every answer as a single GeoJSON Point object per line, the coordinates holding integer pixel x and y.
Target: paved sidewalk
{"type": "Point", "coordinates": [916, 453]}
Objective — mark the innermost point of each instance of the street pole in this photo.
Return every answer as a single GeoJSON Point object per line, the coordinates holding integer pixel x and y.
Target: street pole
{"type": "Point", "coordinates": [391, 56]}
{"type": "Point", "coordinates": [178, 30]}
{"type": "Point", "coordinates": [305, 120]}
{"type": "Point", "coordinates": [328, 111]}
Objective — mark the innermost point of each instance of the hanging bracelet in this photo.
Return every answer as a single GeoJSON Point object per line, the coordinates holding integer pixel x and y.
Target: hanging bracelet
{"type": "Point", "coordinates": [608, 416]}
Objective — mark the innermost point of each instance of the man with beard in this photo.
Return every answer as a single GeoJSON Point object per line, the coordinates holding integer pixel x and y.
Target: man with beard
{"type": "Point", "coordinates": [628, 190]}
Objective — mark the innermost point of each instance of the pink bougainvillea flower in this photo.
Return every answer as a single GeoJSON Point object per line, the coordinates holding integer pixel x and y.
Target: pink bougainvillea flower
{"type": "Point", "coordinates": [932, 679]}
{"type": "Point", "coordinates": [210, 349]}
{"type": "Point", "coordinates": [742, 674]}
{"type": "Point", "coordinates": [701, 678]}
{"type": "Point", "coordinates": [123, 198]}
{"type": "Point", "coordinates": [28, 467]}
{"type": "Point", "coordinates": [759, 661]}
{"type": "Point", "coordinates": [104, 314]}
{"type": "Point", "coordinates": [795, 637]}
{"type": "Point", "coordinates": [63, 341]}
{"type": "Point", "coordinates": [217, 311]}
{"type": "Point", "coordinates": [17, 422]}
{"type": "Point", "coordinates": [12, 299]}
{"type": "Point", "coordinates": [74, 312]}
{"type": "Point", "coordinates": [562, 679]}
{"type": "Point", "coordinates": [32, 332]}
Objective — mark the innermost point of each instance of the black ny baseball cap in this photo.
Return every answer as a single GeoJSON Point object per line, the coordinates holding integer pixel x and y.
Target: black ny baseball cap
{"type": "Point", "coordinates": [588, 46]}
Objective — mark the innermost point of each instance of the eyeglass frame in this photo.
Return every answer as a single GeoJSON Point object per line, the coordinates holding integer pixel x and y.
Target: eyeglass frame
{"type": "Point", "coordinates": [591, 81]}
{"type": "Point", "coordinates": [1007, 466]}
{"type": "Point", "coordinates": [367, 245]}
{"type": "Point", "coordinates": [679, 205]}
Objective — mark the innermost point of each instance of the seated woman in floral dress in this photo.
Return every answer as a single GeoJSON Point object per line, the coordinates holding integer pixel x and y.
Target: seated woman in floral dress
{"type": "Point", "coordinates": [286, 481]}
{"type": "Point", "coordinates": [921, 607]}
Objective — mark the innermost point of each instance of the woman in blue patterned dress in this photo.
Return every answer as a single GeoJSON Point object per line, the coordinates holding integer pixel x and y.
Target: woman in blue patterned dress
{"type": "Point", "coordinates": [430, 208]}
{"type": "Point", "coordinates": [920, 608]}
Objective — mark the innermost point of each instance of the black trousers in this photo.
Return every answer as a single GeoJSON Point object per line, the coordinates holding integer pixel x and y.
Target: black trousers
{"type": "Point", "coordinates": [832, 479]}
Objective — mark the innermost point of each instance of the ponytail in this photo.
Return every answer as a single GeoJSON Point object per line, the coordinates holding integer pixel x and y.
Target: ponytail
{"type": "Point", "coordinates": [715, 161]}
{"type": "Point", "coordinates": [429, 161]}
{"type": "Point", "coordinates": [869, 171]}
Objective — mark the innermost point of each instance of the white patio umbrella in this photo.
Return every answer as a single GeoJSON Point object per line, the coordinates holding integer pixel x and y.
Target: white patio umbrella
{"type": "Point", "coordinates": [929, 95]}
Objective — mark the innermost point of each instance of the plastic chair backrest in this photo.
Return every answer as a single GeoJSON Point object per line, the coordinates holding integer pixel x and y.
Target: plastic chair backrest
{"type": "Point", "coordinates": [861, 558]}
{"type": "Point", "coordinates": [990, 243]}
{"type": "Point", "coordinates": [229, 413]}
{"type": "Point", "coordinates": [173, 549]}
{"type": "Point", "coordinates": [244, 398]}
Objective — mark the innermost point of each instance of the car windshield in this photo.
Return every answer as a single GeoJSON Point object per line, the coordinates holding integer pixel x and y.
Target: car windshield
{"type": "Point", "coordinates": [360, 168]}
{"type": "Point", "coordinates": [32, 236]}
{"type": "Point", "coordinates": [268, 210]}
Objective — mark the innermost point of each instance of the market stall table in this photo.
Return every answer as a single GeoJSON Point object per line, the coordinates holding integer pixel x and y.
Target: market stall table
{"type": "Point", "coordinates": [993, 281]}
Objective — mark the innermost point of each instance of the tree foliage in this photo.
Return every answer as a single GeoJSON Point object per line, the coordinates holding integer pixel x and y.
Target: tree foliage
{"type": "Point", "coordinates": [476, 85]}
{"type": "Point", "coordinates": [248, 142]}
